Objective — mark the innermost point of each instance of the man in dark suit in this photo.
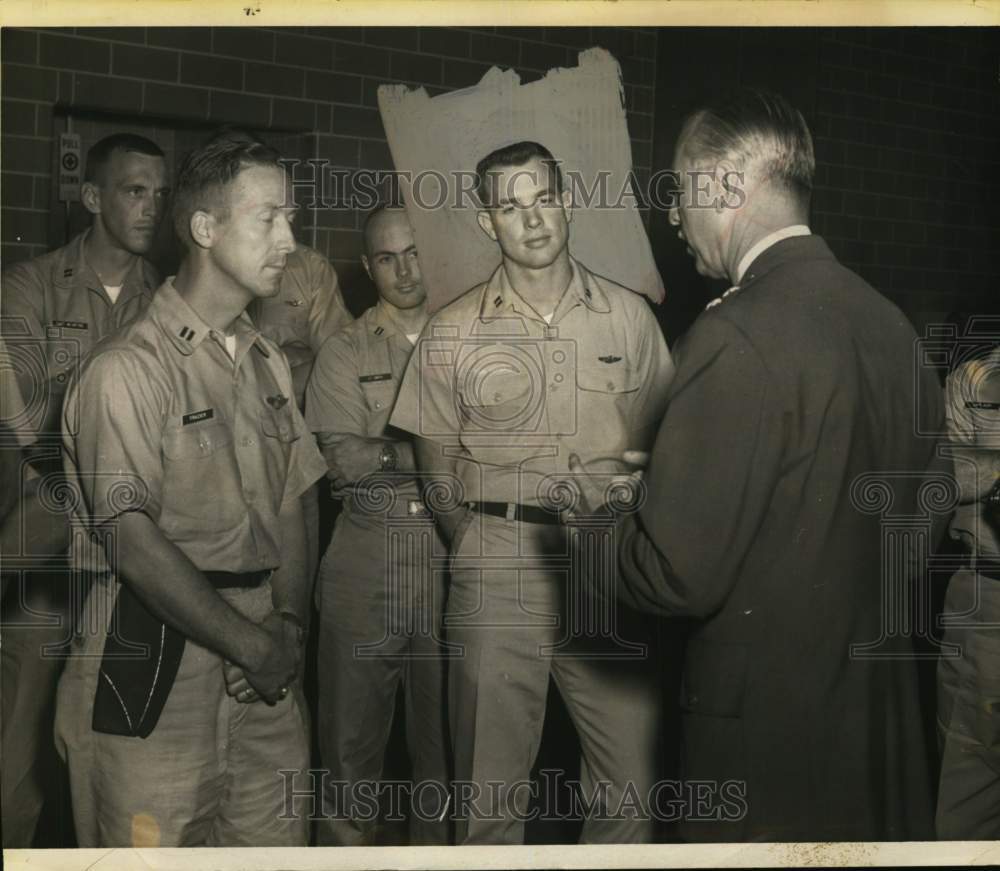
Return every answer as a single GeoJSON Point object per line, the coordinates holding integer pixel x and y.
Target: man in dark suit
{"type": "Point", "coordinates": [790, 438]}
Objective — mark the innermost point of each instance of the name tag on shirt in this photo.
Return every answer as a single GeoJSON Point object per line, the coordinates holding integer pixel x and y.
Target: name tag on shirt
{"type": "Point", "coordinates": [72, 325]}
{"type": "Point", "coordinates": [367, 379]}
{"type": "Point", "coordinates": [198, 416]}
{"type": "Point", "coordinates": [984, 406]}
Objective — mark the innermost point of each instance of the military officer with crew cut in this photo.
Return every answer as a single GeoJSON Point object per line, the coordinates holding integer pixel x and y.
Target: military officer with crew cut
{"type": "Point", "coordinates": [190, 459]}
{"type": "Point", "coordinates": [544, 359]}
{"type": "Point", "coordinates": [70, 298]}
{"type": "Point", "coordinates": [306, 311]}
{"type": "Point", "coordinates": [53, 310]}
{"type": "Point", "coordinates": [380, 602]}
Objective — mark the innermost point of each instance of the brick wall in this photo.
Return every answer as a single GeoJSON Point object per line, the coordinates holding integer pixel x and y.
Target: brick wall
{"type": "Point", "coordinates": [321, 81]}
{"type": "Point", "coordinates": [906, 123]}
{"type": "Point", "coordinates": [908, 162]}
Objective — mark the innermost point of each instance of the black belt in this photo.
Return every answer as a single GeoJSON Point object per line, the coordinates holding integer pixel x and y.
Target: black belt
{"type": "Point", "coordinates": [228, 580]}
{"type": "Point", "coordinates": [514, 511]}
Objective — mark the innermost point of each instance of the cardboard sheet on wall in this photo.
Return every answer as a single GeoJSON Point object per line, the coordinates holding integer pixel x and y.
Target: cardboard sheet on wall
{"type": "Point", "coordinates": [577, 113]}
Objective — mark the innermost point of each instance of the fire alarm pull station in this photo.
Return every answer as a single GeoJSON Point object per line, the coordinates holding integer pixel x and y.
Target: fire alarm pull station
{"type": "Point", "coordinates": [70, 170]}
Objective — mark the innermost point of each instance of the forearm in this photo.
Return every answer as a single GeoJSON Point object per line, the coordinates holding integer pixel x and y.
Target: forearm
{"type": "Point", "coordinates": [290, 583]}
{"type": "Point", "coordinates": [441, 471]}
{"type": "Point", "coordinates": [647, 581]}
{"type": "Point", "coordinates": [45, 532]}
{"type": "Point", "coordinates": [362, 455]}
{"type": "Point", "coordinates": [173, 589]}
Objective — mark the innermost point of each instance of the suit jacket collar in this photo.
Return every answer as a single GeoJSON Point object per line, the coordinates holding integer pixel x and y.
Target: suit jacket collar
{"type": "Point", "coordinates": [793, 249]}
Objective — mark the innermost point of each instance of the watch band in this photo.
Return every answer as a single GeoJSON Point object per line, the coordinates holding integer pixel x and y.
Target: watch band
{"type": "Point", "coordinates": [388, 459]}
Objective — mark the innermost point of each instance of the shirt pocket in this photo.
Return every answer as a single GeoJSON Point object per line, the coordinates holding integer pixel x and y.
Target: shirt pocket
{"type": "Point", "coordinates": [503, 403]}
{"type": "Point", "coordinates": [195, 442]}
{"type": "Point", "coordinates": [66, 348]}
{"type": "Point", "coordinates": [280, 424]}
{"type": "Point", "coordinates": [201, 481]}
{"type": "Point", "coordinates": [606, 395]}
{"type": "Point", "coordinates": [612, 379]}
{"type": "Point", "coordinates": [506, 421]}
{"type": "Point", "coordinates": [289, 308]}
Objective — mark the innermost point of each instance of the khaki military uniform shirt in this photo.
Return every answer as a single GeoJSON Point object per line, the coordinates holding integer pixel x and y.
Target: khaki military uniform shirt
{"type": "Point", "coordinates": [308, 309]}
{"type": "Point", "coordinates": [497, 385]}
{"type": "Point", "coordinates": [209, 448]}
{"type": "Point", "coordinates": [972, 411]}
{"type": "Point", "coordinates": [14, 414]}
{"type": "Point", "coordinates": [14, 435]}
{"type": "Point", "coordinates": [355, 381]}
{"type": "Point", "coordinates": [55, 310]}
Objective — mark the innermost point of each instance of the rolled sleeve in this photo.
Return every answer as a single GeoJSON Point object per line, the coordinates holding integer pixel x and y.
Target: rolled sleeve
{"type": "Point", "coordinates": [335, 402]}
{"type": "Point", "coordinates": [305, 463]}
{"type": "Point", "coordinates": [117, 411]}
{"type": "Point", "coordinates": [426, 403]}
{"type": "Point", "coordinates": [656, 370]}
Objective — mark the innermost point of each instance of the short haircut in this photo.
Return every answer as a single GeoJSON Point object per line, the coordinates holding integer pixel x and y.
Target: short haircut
{"type": "Point", "coordinates": [231, 133]}
{"type": "Point", "coordinates": [381, 208]}
{"type": "Point", "coordinates": [208, 170]}
{"type": "Point", "coordinates": [99, 154]}
{"type": "Point", "coordinates": [516, 154]}
{"type": "Point", "coordinates": [759, 129]}
{"type": "Point", "coordinates": [369, 219]}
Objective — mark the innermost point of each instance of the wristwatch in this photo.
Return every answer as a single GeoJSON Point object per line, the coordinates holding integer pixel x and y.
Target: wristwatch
{"type": "Point", "coordinates": [387, 458]}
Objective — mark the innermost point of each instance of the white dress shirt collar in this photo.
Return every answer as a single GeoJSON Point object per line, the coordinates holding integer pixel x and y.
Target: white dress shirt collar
{"type": "Point", "coordinates": [766, 242]}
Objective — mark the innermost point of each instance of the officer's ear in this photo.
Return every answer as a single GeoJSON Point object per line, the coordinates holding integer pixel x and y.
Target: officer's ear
{"type": "Point", "coordinates": [728, 186]}
{"type": "Point", "coordinates": [566, 198]}
{"type": "Point", "coordinates": [368, 269]}
{"type": "Point", "coordinates": [486, 223]}
{"type": "Point", "coordinates": [202, 227]}
{"type": "Point", "coordinates": [90, 196]}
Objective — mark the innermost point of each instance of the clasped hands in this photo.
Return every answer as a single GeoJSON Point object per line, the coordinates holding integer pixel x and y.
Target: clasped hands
{"type": "Point", "coordinates": [280, 667]}
{"type": "Point", "coordinates": [591, 489]}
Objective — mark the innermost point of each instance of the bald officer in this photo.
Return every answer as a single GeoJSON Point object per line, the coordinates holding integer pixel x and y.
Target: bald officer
{"type": "Point", "coordinates": [190, 458]}
{"type": "Point", "coordinates": [544, 359]}
{"type": "Point", "coordinates": [54, 309]}
{"type": "Point", "coordinates": [380, 605]}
